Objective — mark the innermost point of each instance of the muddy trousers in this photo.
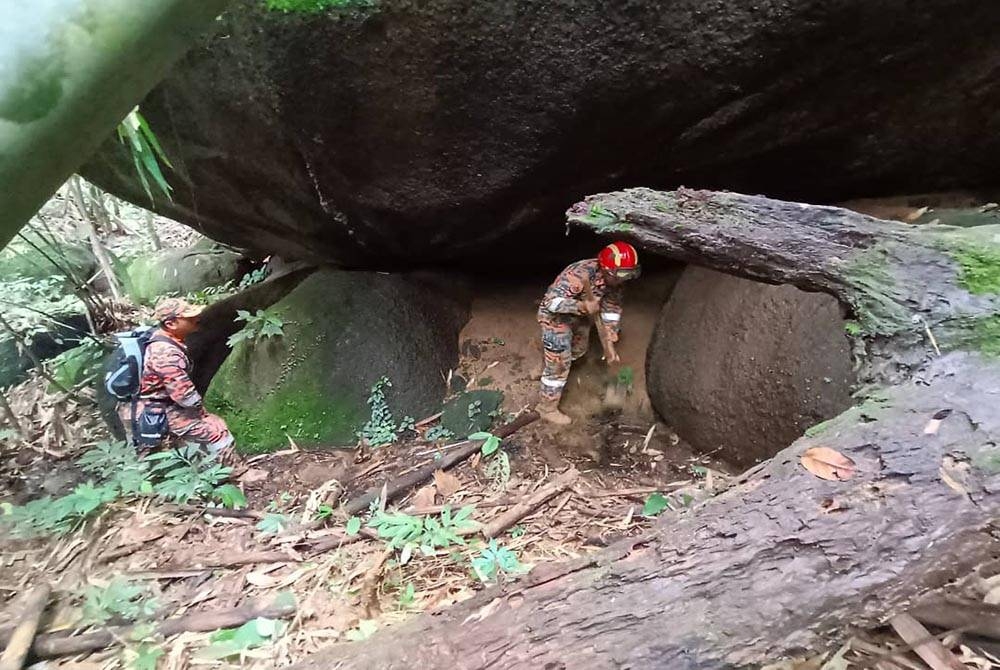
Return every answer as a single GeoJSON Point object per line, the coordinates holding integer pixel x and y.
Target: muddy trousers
{"type": "Point", "coordinates": [564, 339]}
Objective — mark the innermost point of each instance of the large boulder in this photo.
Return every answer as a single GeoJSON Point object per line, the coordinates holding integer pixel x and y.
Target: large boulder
{"type": "Point", "coordinates": [342, 332]}
{"type": "Point", "coordinates": [741, 368]}
{"type": "Point", "coordinates": [416, 130]}
{"type": "Point", "coordinates": [180, 271]}
{"type": "Point", "coordinates": [38, 257]}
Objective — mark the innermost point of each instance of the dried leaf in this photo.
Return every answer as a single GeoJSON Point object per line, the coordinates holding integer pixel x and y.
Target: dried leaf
{"type": "Point", "coordinates": [828, 463]}
{"type": "Point", "coordinates": [424, 497]}
{"type": "Point", "coordinates": [447, 484]}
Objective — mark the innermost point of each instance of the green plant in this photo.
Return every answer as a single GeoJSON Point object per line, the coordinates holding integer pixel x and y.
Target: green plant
{"type": "Point", "coordinates": [146, 152]}
{"type": "Point", "coordinates": [475, 409]}
{"type": "Point", "coordinates": [143, 657]}
{"type": "Point", "coordinates": [230, 496]}
{"type": "Point", "coordinates": [77, 365]}
{"type": "Point", "coordinates": [185, 473]}
{"type": "Point", "coordinates": [380, 429]}
{"type": "Point", "coordinates": [120, 598]}
{"type": "Point", "coordinates": [405, 532]}
{"type": "Point", "coordinates": [272, 523]}
{"type": "Point", "coordinates": [626, 377]}
{"type": "Point", "coordinates": [498, 470]}
{"type": "Point", "coordinates": [258, 326]}
{"type": "Point", "coordinates": [518, 531]}
{"type": "Point", "coordinates": [234, 641]}
{"type": "Point", "coordinates": [439, 432]}
{"type": "Point", "coordinates": [853, 328]}
{"type": "Point", "coordinates": [490, 442]}
{"type": "Point", "coordinates": [323, 512]}
{"type": "Point", "coordinates": [407, 595]}
{"type": "Point", "coordinates": [407, 424]}
{"type": "Point", "coordinates": [494, 561]}
{"type": "Point", "coordinates": [655, 504]}
{"type": "Point", "coordinates": [254, 277]}
{"type": "Point", "coordinates": [178, 475]}
{"type": "Point", "coordinates": [353, 526]}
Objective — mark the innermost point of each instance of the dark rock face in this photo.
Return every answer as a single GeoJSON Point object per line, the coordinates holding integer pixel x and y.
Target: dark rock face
{"type": "Point", "coordinates": [434, 130]}
{"type": "Point", "coordinates": [745, 367]}
{"type": "Point", "coordinates": [342, 332]}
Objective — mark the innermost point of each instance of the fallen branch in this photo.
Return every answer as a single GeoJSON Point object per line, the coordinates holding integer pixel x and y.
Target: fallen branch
{"type": "Point", "coordinates": [53, 646]}
{"type": "Point", "coordinates": [397, 488]}
{"type": "Point", "coordinates": [24, 634]}
{"type": "Point", "coordinates": [925, 645]}
{"type": "Point", "coordinates": [960, 614]}
{"type": "Point", "coordinates": [523, 509]}
{"type": "Point", "coordinates": [237, 560]}
{"type": "Point", "coordinates": [369, 585]}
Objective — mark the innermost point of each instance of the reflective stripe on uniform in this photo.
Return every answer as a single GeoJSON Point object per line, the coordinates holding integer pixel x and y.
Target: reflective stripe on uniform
{"type": "Point", "coordinates": [554, 383]}
{"type": "Point", "coordinates": [610, 316]}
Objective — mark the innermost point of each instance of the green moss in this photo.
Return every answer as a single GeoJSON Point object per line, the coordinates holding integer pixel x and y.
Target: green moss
{"type": "Point", "coordinates": [979, 268]}
{"type": "Point", "coordinates": [876, 310]}
{"type": "Point", "coordinates": [313, 6]}
{"type": "Point", "coordinates": [870, 409]}
{"type": "Point", "coordinates": [304, 414]}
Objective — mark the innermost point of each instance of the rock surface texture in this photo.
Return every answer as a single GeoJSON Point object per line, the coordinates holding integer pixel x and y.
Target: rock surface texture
{"type": "Point", "coordinates": [745, 367]}
{"type": "Point", "coordinates": [343, 331]}
{"type": "Point", "coordinates": [432, 130]}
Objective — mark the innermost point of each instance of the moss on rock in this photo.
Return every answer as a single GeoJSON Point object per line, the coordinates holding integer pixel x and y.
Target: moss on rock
{"type": "Point", "coordinates": [342, 332]}
{"type": "Point", "coordinates": [179, 271]}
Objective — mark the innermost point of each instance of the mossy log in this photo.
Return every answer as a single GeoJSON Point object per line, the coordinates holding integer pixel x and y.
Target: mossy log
{"type": "Point", "coordinates": [783, 561]}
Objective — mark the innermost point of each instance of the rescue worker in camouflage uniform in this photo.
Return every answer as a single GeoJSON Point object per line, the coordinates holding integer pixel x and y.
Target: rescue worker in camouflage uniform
{"type": "Point", "coordinates": [166, 379]}
{"type": "Point", "coordinates": [589, 287]}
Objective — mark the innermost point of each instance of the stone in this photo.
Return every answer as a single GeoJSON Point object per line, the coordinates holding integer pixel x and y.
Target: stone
{"type": "Point", "coordinates": [741, 368]}
{"type": "Point", "coordinates": [342, 331]}
{"type": "Point", "coordinates": [180, 271]}
{"type": "Point", "coordinates": [439, 130]}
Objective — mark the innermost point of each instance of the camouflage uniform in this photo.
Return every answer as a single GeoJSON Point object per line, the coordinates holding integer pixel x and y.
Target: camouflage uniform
{"type": "Point", "coordinates": [566, 324]}
{"type": "Point", "coordinates": [166, 379]}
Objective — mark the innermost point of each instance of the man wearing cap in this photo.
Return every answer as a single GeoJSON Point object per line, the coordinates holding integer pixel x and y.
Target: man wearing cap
{"type": "Point", "coordinates": [166, 380]}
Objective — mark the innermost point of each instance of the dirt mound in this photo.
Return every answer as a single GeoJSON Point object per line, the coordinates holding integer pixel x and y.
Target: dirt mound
{"type": "Point", "coordinates": [744, 367]}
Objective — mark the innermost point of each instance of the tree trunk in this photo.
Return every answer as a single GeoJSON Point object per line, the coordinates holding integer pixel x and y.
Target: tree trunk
{"type": "Point", "coordinates": [65, 88]}
{"type": "Point", "coordinates": [784, 560]}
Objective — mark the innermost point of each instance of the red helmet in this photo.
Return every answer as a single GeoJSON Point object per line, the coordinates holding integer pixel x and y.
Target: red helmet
{"type": "Point", "coordinates": [619, 258]}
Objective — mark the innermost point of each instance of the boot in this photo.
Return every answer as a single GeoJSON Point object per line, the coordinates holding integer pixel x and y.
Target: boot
{"type": "Point", "coordinates": [549, 411]}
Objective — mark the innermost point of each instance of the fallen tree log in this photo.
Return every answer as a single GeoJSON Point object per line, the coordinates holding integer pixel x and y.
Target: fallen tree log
{"type": "Point", "coordinates": [782, 561]}
{"type": "Point", "coordinates": [399, 487]}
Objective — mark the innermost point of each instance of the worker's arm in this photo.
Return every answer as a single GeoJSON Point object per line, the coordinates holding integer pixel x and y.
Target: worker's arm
{"type": "Point", "coordinates": [172, 366]}
{"type": "Point", "coordinates": [611, 311]}
{"type": "Point", "coordinates": [565, 296]}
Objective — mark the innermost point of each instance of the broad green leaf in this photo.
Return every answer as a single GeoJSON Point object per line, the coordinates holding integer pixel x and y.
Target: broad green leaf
{"type": "Point", "coordinates": [655, 504]}
{"type": "Point", "coordinates": [480, 436]}
{"type": "Point", "coordinates": [491, 444]}
{"type": "Point", "coordinates": [353, 526]}
{"type": "Point", "coordinates": [230, 496]}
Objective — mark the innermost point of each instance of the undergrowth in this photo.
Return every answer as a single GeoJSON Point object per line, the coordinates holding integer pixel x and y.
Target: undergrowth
{"type": "Point", "coordinates": [381, 428]}
{"type": "Point", "coordinates": [177, 475]}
